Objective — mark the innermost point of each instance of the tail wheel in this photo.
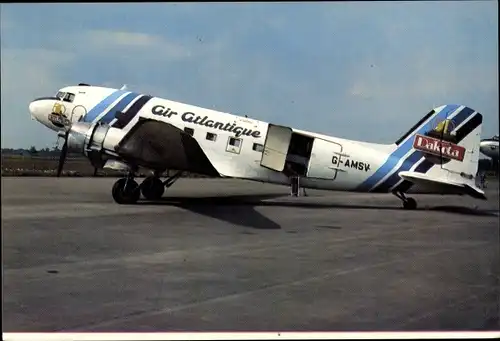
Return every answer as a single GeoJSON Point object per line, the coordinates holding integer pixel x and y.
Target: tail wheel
{"type": "Point", "coordinates": [126, 191]}
{"type": "Point", "coordinates": [409, 204]}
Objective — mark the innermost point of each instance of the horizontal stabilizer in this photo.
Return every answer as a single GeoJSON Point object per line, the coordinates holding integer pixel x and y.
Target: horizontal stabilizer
{"type": "Point", "coordinates": [428, 181]}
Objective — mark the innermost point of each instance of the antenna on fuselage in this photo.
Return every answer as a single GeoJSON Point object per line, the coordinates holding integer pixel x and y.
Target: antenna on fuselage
{"type": "Point", "coordinates": [124, 87]}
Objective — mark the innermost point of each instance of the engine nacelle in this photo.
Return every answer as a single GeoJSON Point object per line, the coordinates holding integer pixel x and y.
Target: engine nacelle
{"type": "Point", "coordinates": [96, 141]}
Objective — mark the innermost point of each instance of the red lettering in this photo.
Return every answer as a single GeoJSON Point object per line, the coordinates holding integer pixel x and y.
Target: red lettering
{"type": "Point", "coordinates": [438, 147]}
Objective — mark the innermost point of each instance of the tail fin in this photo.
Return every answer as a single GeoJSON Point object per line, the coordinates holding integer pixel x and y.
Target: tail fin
{"type": "Point", "coordinates": [449, 146]}
{"type": "Point", "coordinates": [452, 143]}
{"type": "Point", "coordinates": [444, 144]}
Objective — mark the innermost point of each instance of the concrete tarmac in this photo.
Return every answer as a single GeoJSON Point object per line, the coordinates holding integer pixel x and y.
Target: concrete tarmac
{"type": "Point", "coordinates": [223, 255]}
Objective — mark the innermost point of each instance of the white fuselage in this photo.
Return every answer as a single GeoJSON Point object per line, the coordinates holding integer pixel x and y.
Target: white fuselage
{"type": "Point", "coordinates": [246, 148]}
{"type": "Point", "coordinates": [243, 161]}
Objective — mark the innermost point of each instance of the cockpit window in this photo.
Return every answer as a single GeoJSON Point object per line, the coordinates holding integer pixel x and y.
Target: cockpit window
{"type": "Point", "coordinates": [69, 97]}
{"type": "Point", "coordinates": [60, 95]}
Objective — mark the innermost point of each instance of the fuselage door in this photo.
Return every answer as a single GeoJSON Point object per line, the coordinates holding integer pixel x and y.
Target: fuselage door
{"type": "Point", "coordinates": [320, 163]}
{"type": "Point", "coordinates": [276, 147]}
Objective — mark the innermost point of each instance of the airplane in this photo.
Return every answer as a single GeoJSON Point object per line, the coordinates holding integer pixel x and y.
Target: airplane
{"type": "Point", "coordinates": [489, 147]}
{"type": "Point", "coordinates": [124, 130]}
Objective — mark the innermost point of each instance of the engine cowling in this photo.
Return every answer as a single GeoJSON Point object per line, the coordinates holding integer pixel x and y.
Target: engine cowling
{"type": "Point", "coordinates": [96, 141]}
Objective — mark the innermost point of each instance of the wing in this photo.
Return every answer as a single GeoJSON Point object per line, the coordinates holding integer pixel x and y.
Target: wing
{"type": "Point", "coordinates": [159, 145]}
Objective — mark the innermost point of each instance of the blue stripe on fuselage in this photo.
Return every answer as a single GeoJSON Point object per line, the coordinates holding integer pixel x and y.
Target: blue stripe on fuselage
{"type": "Point", "coordinates": [102, 106]}
{"type": "Point", "coordinates": [405, 147]}
{"type": "Point", "coordinates": [110, 115]}
{"type": "Point", "coordinates": [392, 180]}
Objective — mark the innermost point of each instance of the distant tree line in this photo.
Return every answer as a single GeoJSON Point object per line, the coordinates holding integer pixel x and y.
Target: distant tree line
{"type": "Point", "coordinates": [33, 151]}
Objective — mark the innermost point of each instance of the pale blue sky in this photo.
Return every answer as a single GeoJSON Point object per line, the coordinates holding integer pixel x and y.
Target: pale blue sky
{"type": "Point", "coordinates": [364, 70]}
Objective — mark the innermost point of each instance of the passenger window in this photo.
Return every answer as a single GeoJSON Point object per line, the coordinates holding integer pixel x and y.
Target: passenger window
{"type": "Point", "coordinates": [233, 141]}
{"type": "Point", "coordinates": [69, 97]}
{"type": "Point", "coordinates": [234, 145]}
{"type": "Point", "coordinates": [190, 131]}
{"type": "Point", "coordinates": [258, 147]}
{"type": "Point", "coordinates": [211, 137]}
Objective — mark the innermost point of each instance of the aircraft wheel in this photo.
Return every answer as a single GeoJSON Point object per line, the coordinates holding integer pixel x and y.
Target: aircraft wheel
{"type": "Point", "coordinates": [152, 188]}
{"type": "Point", "coordinates": [409, 204]}
{"type": "Point", "coordinates": [126, 191]}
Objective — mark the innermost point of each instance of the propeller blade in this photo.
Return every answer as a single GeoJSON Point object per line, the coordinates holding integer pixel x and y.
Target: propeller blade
{"type": "Point", "coordinates": [62, 157]}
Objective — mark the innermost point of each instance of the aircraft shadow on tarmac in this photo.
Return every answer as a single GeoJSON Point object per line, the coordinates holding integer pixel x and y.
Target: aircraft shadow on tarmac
{"type": "Point", "coordinates": [240, 209]}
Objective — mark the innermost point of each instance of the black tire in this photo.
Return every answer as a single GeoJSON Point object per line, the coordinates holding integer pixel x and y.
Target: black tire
{"type": "Point", "coordinates": [152, 188]}
{"type": "Point", "coordinates": [410, 204]}
{"type": "Point", "coordinates": [126, 195]}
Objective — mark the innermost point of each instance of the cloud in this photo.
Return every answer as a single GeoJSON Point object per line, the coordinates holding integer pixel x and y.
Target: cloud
{"type": "Point", "coordinates": [31, 72]}
{"type": "Point", "coordinates": [28, 74]}
{"type": "Point", "coordinates": [103, 38]}
{"type": "Point", "coordinates": [5, 23]}
{"type": "Point", "coordinates": [140, 44]}
{"type": "Point", "coordinates": [424, 75]}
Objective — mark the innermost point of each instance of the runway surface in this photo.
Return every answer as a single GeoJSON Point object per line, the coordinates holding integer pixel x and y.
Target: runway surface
{"type": "Point", "coordinates": [217, 255]}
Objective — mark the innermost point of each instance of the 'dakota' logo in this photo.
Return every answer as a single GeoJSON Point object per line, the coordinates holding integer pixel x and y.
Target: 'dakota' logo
{"type": "Point", "coordinates": [439, 143]}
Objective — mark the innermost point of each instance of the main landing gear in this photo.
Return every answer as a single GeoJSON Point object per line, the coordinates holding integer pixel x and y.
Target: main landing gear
{"type": "Point", "coordinates": [127, 191]}
{"type": "Point", "coordinates": [152, 188]}
{"type": "Point", "coordinates": [408, 203]}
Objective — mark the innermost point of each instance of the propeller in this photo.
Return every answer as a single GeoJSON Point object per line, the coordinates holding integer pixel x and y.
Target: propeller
{"type": "Point", "coordinates": [64, 153]}
{"type": "Point", "coordinates": [74, 136]}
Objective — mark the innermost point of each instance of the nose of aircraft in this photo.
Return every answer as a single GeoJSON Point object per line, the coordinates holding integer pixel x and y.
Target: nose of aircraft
{"type": "Point", "coordinates": [34, 109]}
{"type": "Point", "coordinates": [40, 110]}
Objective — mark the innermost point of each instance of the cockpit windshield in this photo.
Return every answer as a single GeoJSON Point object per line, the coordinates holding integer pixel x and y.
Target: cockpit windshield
{"type": "Point", "coordinates": [69, 97]}
{"type": "Point", "coordinates": [66, 96]}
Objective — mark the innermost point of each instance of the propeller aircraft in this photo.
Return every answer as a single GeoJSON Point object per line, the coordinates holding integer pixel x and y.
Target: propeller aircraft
{"type": "Point", "coordinates": [124, 130]}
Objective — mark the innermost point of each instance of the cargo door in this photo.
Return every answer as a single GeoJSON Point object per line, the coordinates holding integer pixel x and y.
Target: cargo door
{"type": "Point", "coordinates": [276, 147]}
{"type": "Point", "coordinates": [320, 163]}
